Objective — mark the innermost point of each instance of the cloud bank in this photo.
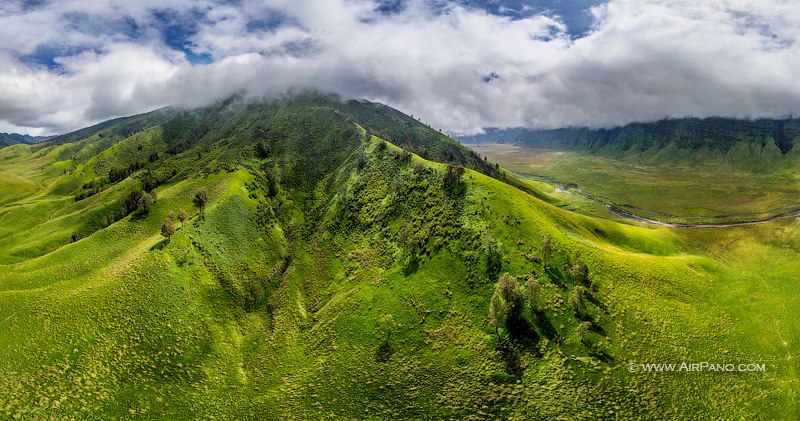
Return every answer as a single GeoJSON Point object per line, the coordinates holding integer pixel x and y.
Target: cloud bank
{"type": "Point", "coordinates": [67, 64]}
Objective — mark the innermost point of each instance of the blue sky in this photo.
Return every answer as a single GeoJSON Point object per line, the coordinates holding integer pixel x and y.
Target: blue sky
{"type": "Point", "coordinates": [459, 64]}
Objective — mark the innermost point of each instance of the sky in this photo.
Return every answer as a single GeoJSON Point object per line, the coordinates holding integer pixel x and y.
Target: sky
{"type": "Point", "coordinates": [460, 65]}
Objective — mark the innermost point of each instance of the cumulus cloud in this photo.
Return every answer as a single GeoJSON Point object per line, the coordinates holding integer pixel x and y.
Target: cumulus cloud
{"type": "Point", "coordinates": [458, 67]}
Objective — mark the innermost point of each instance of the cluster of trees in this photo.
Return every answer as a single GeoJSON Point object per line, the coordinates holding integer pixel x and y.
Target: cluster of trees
{"type": "Point", "coordinates": [138, 202]}
{"type": "Point", "coordinates": [511, 298]}
{"type": "Point", "coordinates": [168, 227]}
{"type": "Point", "coordinates": [116, 175]}
{"type": "Point", "coordinates": [509, 301]}
{"type": "Point", "coordinates": [151, 181]}
{"type": "Point", "coordinates": [90, 189]}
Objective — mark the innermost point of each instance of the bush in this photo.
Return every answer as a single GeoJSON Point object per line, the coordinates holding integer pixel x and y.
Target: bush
{"type": "Point", "coordinates": [453, 183]}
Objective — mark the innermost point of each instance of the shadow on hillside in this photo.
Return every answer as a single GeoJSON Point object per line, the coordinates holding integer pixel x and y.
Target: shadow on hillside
{"type": "Point", "coordinates": [545, 327]}
{"type": "Point", "coordinates": [160, 245]}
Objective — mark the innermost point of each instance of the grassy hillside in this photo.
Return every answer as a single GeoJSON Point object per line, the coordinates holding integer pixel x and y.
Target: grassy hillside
{"type": "Point", "coordinates": [333, 274]}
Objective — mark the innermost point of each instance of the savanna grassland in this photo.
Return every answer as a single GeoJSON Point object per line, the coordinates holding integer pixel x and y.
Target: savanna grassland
{"type": "Point", "coordinates": [339, 260]}
{"type": "Point", "coordinates": [701, 187]}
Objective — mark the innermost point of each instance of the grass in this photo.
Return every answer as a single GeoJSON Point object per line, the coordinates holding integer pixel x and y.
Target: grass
{"type": "Point", "coordinates": [680, 188]}
{"type": "Point", "coordinates": [270, 306]}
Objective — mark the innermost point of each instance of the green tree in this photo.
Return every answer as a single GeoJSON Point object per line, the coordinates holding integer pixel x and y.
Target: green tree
{"type": "Point", "coordinates": [182, 216]}
{"type": "Point", "coordinates": [532, 290]}
{"type": "Point", "coordinates": [362, 160]}
{"type": "Point", "coordinates": [168, 228]}
{"type": "Point", "coordinates": [452, 178]}
{"type": "Point", "coordinates": [272, 183]}
{"type": "Point", "coordinates": [387, 326]}
{"type": "Point", "coordinates": [579, 270]}
{"type": "Point", "coordinates": [506, 305]}
{"type": "Point", "coordinates": [200, 200]}
{"type": "Point", "coordinates": [138, 202]}
{"type": "Point", "coordinates": [577, 298]}
{"type": "Point", "coordinates": [583, 330]}
{"type": "Point", "coordinates": [547, 250]}
{"type": "Point", "coordinates": [145, 202]}
{"type": "Point", "coordinates": [512, 295]}
{"type": "Point", "coordinates": [497, 312]}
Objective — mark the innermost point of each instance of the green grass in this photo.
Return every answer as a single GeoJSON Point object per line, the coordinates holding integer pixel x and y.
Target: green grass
{"type": "Point", "coordinates": [268, 307]}
{"type": "Point", "coordinates": [681, 188]}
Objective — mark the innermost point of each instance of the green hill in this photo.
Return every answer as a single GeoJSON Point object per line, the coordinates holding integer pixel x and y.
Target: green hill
{"type": "Point", "coordinates": [336, 263]}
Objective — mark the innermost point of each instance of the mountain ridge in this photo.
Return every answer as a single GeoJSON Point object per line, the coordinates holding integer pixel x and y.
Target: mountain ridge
{"type": "Point", "coordinates": [8, 139]}
{"type": "Point", "coordinates": [715, 134]}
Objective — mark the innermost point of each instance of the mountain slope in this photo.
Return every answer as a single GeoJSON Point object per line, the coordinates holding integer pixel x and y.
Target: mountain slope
{"type": "Point", "coordinates": [331, 274]}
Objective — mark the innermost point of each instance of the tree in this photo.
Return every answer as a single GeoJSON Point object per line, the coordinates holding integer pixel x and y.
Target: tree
{"type": "Point", "coordinates": [387, 325]}
{"type": "Point", "coordinates": [547, 250]}
{"type": "Point", "coordinates": [139, 202]}
{"type": "Point", "coordinates": [532, 290]}
{"type": "Point", "coordinates": [505, 307]}
{"type": "Point", "coordinates": [452, 176]}
{"type": "Point", "coordinates": [262, 149]}
{"type": "Point", "coordinates": [583, 330]}
{"type": "Point", "coordinates": [510, 291]}
{"type": "Point", "coordinates": [200, 200]}
{"type": "Point", "coordinates": [405, 154]}
{"type": "Point", "coordinates": [362, 160]}
{"type": "Point", "coordinates": [145, 202]}
{"type": "Point", "coordinates": [131, 202]}
{"type": "Point", "coordinates": [577, 298]}
{"type": "Point", "coordinates": [497, 312]}
{"type": "Point", "coordinates": [182, 216]}
{"type": "Point", "coordinates": [168, 228]}
{"type": "Point", "coordinates": [272, 183]}
{"type": "Point", "coordinates": [579, 271]}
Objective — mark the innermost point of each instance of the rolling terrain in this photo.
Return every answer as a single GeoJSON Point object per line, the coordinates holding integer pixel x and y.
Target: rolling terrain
{"type": "Point", "coordinates": [338, 260]}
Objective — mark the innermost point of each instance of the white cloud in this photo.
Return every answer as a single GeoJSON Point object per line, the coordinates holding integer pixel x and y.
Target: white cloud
{"type": "Point", "coordinates": [644, 60]}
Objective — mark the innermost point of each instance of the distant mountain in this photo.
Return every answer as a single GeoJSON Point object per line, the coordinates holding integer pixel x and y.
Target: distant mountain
{"type": "Point", "coordinates": [8, 139]}
{"type": "Point", "coordinates": [715, 134]}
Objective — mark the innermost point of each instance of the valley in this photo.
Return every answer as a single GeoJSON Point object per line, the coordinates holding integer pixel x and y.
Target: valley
{"type": "Point", "coordinates": [339, 259]}
{"type": "Point", "coordinates": [681, 193]}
